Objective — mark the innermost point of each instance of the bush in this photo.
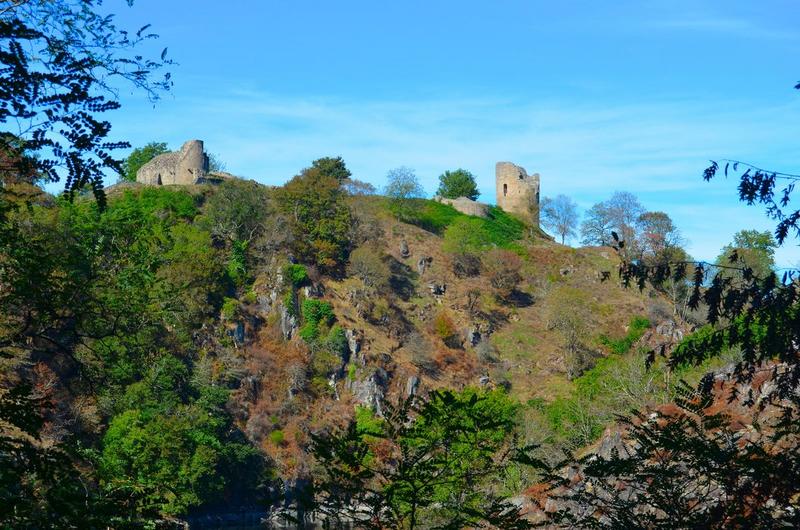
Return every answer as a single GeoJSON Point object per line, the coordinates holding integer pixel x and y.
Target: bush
{"type": "Point", "coordinates": [636, 329]}
{"type": "Point", "coordinates": [504, 268]}
{"type": "Point", "coordinates": [367, 264]}
{"type": "Point", "coordinates": [237, 263]}
{"type": "Point", "coordinates": [465, 265]}
{"type": "Point", "coordinates": [277, 437]}
{"type": "Point", "coordinates": [466, 235]}
{"type": "Point", "coordinates": [230, 307]}
{"type": "Point", "coordinates": [316, 313]}
{"type": "Point", "coordinates": [445, 329]}
{"type": "Point", "coordinates": [295, 274]}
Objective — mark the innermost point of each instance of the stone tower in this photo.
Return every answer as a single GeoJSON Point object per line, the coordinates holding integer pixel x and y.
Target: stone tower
{"type": "Point", "coordinates": [518, 192]}
{"type": "Point", "coordinates": [187, 166]}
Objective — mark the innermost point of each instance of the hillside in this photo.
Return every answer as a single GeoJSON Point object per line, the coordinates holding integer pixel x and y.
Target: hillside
{"type": "Point", "coordinates": [186, 326]}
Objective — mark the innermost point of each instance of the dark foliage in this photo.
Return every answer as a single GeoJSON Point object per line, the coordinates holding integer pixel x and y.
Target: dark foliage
{"type": "Point", "coordinates": [59, 59]}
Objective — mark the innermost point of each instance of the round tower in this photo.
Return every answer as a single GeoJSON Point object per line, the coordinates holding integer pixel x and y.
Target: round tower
{"type": "Point", "coordinates": [193, 163]}
{"type": "Point", "coordinates": [517, 192]}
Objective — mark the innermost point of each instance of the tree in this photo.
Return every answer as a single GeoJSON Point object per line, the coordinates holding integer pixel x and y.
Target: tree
{"type": "Point", "coordinates": [457, 183]}
{"type": "Point", "coordinates": [750, 249]}
{"type": "Point", "coordinates": [319, 218]}
{"type": "Point", "coordinates": [560, 215]}
{"type": "Point", "coordinates": [215, 164]}
{"type": "Point", "coordinates": [503, 268]}
{"type": "Point", "coordinates": [332, 167]}
{"type": "Point", "coordinates": [367, 264]}
{"type": "Point", "coordinates": [139, 157]}
{"type": "Point", "coordinates": [433, 464]}
{"type": "Point", "coordinates": [357, 187]}
{"type": "Point", "coordinates": [657, 233]}
{"type": "Point", "coordinates": [701, 468]}
{"type": "Point", "coordinates": [403, 188]}
{"type": "Point", "coordinates": [60, 59]}
{"type": "Point", "coordinates": [466, 235]}
{"type": "Point", "coordinates": [619, 215]}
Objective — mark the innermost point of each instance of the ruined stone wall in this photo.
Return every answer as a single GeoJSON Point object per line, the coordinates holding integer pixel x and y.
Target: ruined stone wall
{"type": "Point", "coordinates": [466, 206]}
{"type": "Point", "coordinates": [187, 166]}
{"type": "Point", "coordinates": [517, 192]}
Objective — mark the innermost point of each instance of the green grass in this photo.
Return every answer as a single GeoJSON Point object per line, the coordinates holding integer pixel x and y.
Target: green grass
{"type": "Point", "coordinates": [623, 345]}
{"type": "Point", "coordinates": [501, 228]}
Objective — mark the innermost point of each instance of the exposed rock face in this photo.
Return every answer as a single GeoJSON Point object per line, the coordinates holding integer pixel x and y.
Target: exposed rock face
{"type": "Point", "coordinates": [187, 166]}
{"type": "Point", "coordinates": [404, 251]}
{"type": "Point", "coordinates": [371, 391]}
{"type": "Point", "coordinates": [423, 264]}
{"type": "Point", "coordinates": [517, 192]}
{"type": "Point", "coordinates": [412, 384]}
{"type": "Point", "coordinates": [466, 206]}
{"type": "Point", "coordinates": [288, 323]}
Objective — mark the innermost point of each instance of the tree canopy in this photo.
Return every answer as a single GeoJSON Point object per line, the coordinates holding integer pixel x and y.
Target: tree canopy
{"type": "Point", "coordinates": [139, 157]}
{"type": "Point", "coordinates": [457, 183]}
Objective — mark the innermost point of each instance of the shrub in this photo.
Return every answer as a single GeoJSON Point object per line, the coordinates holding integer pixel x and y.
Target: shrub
{"type": "Point", "coordinates": [295, 274]}
{"type": "Point", "coordinates": [337, 341]}
{"type": "Point", "coordinates": [367, 264]}
{"type": "Point", "coordinates": [237, 263]}
{"type": "Point", "coordinates": [446, 330]}
{"type": "Point", "coordinates": [504, 268]}
{"type": "Point", "coordinates": [277, 437]}
{"type": "Point", "coordinates": [465, 265]}
{"type": "Point", "coordinates": [230, 307]}
{"type": "Point", "coordinates": [636, 329]}
{"type": "Point", "coordinates": [316, 313]}
{"type": "Point", "coordinates": [465, 235]}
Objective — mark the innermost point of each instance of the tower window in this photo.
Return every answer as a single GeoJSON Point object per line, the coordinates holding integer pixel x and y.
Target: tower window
{"type": "Point", "coordinates": [505, 190]}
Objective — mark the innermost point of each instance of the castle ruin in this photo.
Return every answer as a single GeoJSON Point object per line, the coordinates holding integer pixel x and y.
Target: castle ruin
{"type": "Point", "coordinates": [517, 192]}
{"type": "Point", "coordinates": [187, 166]}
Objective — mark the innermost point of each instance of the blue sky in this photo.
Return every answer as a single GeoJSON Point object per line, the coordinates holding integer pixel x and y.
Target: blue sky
{"type": "Point", "coordinates": [594, 96]}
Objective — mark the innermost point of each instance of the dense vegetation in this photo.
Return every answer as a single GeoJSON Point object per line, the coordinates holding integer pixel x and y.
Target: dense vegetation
{"type": "Point", "coordinates": [172, 351]}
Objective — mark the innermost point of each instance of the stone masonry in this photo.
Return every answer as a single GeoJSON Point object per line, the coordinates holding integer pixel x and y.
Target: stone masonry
{"type": "Point", "coordinates": [466, 205]}
{"type": "Point", "coordinates": [187, 166]}
{"type": "Point", "coordinates": [518, 192]}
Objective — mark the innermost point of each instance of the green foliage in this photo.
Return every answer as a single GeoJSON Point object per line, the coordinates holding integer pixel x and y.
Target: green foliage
{"type": "Point", "coordinates": [277, 437]}
{"type": "Point", "coordinates": [139, 157]}
{"type": "Point", "coordinates": [437, 464]}
{"type": "Point", "coordinates": [316, 314]}
{"type": "Point", "coordinates": [318, 218]}
{"type": "Point", "coordinates": [466, 235]}
{"type": "Point", "coordinates": [238, 210]}
{"type": "Point", "coordinates": [332, 167]}
{"type": "Point", "coordinates": [457, 183]}
{"type": "Point", "coordinates": [367, 264]}
{"type": "Point", "coordinates": [295, 274]}
{"type": "Point", "coordinates": [230, 307]}
{"type": "Point", "coordinates": [404, 191]}
{"type": "Point", "coordinates": [237, 263]}
{"type": "Point", "coordinates": [752, 249]}
{"type": "Point", "coordinates": [636, 329]}
{"type": "Point", "coordinates": [432, 216]}
{"type": "Point", "coordinates": [169, 450]}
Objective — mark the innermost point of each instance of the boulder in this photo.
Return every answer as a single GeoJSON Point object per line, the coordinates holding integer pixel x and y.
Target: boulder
{"type": "Point", "coordinates": [412, 384]}
{"type": "Point", "coordinates": [404, 251]}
